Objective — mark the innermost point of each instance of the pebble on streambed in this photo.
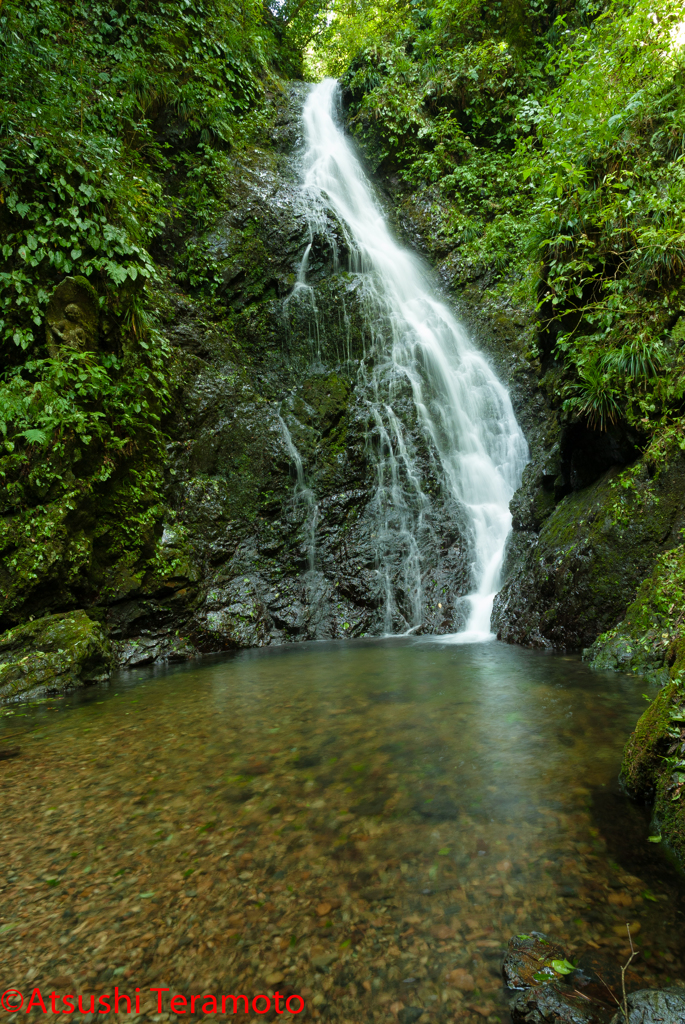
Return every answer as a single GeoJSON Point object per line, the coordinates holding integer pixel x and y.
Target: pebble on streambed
{"type": "Point", "coordinates": [152, 842]}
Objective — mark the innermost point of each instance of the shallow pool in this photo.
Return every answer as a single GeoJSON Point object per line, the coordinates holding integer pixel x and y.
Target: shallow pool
{"type": "Point", "coordinates": [365, 823]}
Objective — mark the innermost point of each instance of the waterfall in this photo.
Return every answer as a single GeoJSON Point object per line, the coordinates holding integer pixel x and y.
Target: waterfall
{"type": "Point", "coordinates": [303, 493]}
{"type": "Point", "coordinates": [462, 410]}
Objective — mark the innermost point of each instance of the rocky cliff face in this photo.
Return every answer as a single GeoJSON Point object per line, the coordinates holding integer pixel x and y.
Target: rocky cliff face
{"type": "Point", "coordinates": [270, 526]}
{"type": "Point", "coordinates": [259, 525]}
{"type": "Point", "coordinates": [576, 565]}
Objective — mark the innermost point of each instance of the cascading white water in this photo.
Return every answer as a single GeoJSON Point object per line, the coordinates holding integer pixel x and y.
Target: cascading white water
{"type": "Point", "coordinates": [303, 493]}
{"type": "Point", "coordinates": [463, 409]}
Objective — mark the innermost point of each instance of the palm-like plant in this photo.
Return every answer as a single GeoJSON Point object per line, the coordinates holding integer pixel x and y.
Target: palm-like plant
{"type": "Point", "coordinates": [639, 358]}
{"type": "Point", "coordinates": [594, 397]}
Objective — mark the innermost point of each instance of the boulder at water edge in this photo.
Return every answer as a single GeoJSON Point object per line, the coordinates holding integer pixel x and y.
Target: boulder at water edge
{"type": "Point", "coordinates": [556, 993]}
{"type": "Point", "coordinates": [53, 654]}
{"type": "Point", "coordinates": [556, 1003]}
{"type": "Point", "coordinates": [654, 1006]}
{"type": "Point", "coordinates": [652, 767]}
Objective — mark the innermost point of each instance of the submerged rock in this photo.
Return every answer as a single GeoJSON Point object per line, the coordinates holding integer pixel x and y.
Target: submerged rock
{"type": "Point", "coordinates": [598, 977]}
{"type": "Point", "coordinates": [528, 960]}
{"type": "Point", "coordinates": [52, 654]}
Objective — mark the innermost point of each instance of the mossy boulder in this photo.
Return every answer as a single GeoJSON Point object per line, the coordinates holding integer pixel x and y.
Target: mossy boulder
{"type": "Point", "coordinates": [577, 578]}
{"type": "Point", "coordinates": [650, 641]}
{"type": "Point", "coordinates": [653, 765]}
{"type": "Point", "coordinates": [53, 654]}
{"type": "Point", "coordinates": [648, 744]}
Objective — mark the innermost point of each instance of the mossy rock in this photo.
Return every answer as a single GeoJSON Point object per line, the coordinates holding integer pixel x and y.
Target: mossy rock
{"type": "Point", "coordinates": [592, 553]}
{"type": "Point", "coordinates": [328, 395]}
{"type": "Point", "coordinates": [669, 814]}
{"type": "Point", "coordinates": [650, 641]}
{"type": "Point", "coordinates": [53, 654]}
{"type": "Point", "coordinates": [647, 745]}
{"type": "Point", "coordinates": [649, 769]}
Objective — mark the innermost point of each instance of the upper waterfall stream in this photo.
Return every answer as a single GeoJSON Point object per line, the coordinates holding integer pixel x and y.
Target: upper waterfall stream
{"type": "Point", "coordinates": [462, 410]}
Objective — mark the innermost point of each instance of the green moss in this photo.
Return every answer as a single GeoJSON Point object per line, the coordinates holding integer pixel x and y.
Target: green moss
{"type": "Point", "coordinates": [669, 813]}
{"type": "Point", "coordinates": [77, 548]}
{"type": "Point", "coordinates": [654, 762]}
{"type": "Point", "coordinates": [543, 504]}
{"type": "Point", "coordinates": [646, 747]}
{"type": "Point", "coordinates": [650, 640]}
{"type": "Point", "coordinates": [53, 654]}
{"type": "Point", "coordinates": [328, 395]}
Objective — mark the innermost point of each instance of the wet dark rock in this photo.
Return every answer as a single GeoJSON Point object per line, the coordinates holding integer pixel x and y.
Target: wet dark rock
{"type": "Point", "coordinates": [585, 454]}
{"type": "Point", "coordinates": [409, 1014]}
{"type": "Point", "coordinates": [576, 578]}
{"type": "Point", "coordinates": [598, 977]}
{"type": "Point", "coordinates": [554, 1003]}
{"type": "Point", "coordinates": [654, 1006]}
{"type": "Point", "coordinates": [151, 648]}
{"type": "Point", "coordinates": [528, 956]}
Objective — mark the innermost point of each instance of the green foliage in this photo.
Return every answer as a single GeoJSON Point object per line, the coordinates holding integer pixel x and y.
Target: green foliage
{"type": "Point", "coordinates": [55, 403]}
{"type": "Point", "coordinates": [593, 397]}
{"type": "Point", "coordinates": [116, 121]}
{"type": "Point", "coordinates": [118, 95]}
{"type": "Point", "coordinates": [549, 144]}
{"type": "Point", "coordinates": [607, 190]}
{"type": "Point", "coordinates": [563, 966]}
